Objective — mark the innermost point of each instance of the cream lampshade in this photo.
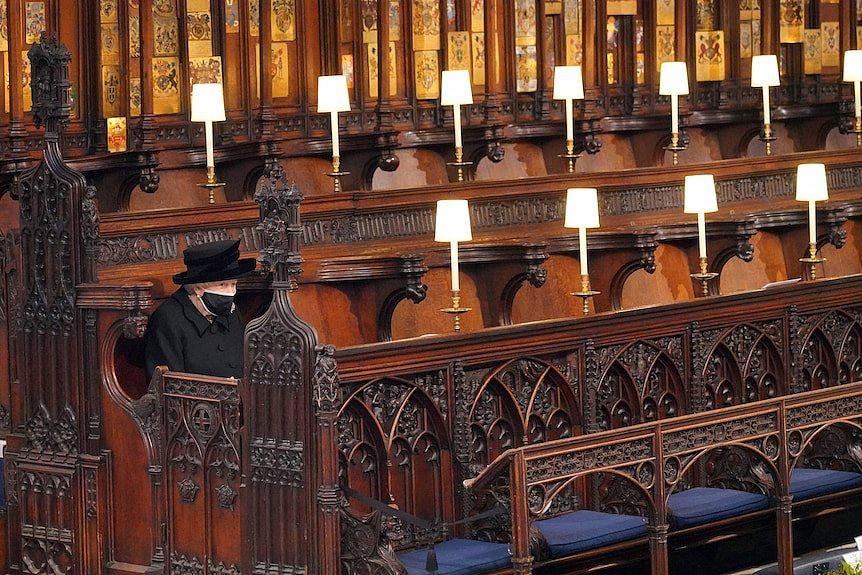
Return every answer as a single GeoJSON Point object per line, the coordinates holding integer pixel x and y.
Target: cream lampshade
{"type": "Point", "coordinates": [811, 187]}
{"type": "Point", "coordinates": [454, 91]}
{"type": "Point", "coordinates": [811, 183]}
{"type": "Point", "coordinates": [700, 195]}
{"type": "Point", "coordinates": [673, 79]}
{"type": "Point", "coordinates": [582, 212]}
{"type": "Point", "coordinates": [582, 208]}
{"type": "Point", "coordinates": [700, 199]}
{"type": "Point", "coordinates": [673, 82]}
{"type": "Point", "coordinates": [456, 88]}
{"type": "Point", "coordinates": [853, 73]}
{"type": "Point", "coordinates": [568, 86]}
{"type": "Point", "coordinates": [208, 107]}
{"type": "Point", "coordinates": [764, 71]}
{"type": "Point", "coordinates": [453, 225]}
{"type": "Point", "coordinates": [207, 103]}
{"type": "Point", "coordinates": [453, 221]}
{"type": "Point", "coordinates": [568, 83]}
{"type": "Point", "coordinates": [332, 97]}
{"type": "Point", "coordinates": [332, 94]}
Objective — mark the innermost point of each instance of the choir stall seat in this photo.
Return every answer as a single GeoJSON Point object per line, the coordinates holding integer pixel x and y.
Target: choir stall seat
{"type": "Point", "coordinates": [459, 557]}
{"type": "Point", "coordinates": [701, 505]}
{"type": "Point", "coordinates": [807, 483]}
{"type": "Point", "coordinates": [581, 530]}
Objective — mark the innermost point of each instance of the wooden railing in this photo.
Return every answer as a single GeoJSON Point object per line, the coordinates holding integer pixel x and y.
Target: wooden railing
{"type": "Point", "coordinates": [656, 456]}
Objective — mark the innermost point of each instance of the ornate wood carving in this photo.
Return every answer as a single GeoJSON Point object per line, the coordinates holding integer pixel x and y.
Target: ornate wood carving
{"type": "Point", "coordinates": [201, 449]}
{"type": "Point", "coordinates": [278, 391]}
{"type": "Point", "coordinates": [638, 382]}
{"type": "Point", "coordinates": [56, 350]}
{"type": "Point", "coordinates": [743, 364]}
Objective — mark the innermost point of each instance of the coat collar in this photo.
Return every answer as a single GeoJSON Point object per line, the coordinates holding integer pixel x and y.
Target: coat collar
{"type": "Point", "coordinates": [194, 316]}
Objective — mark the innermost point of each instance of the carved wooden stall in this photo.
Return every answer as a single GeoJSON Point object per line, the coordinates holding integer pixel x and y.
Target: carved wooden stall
{"type": "Point", "coordinates": [110, 470]}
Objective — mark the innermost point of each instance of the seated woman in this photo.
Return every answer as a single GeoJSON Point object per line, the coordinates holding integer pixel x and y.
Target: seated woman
{"type": "Point", "coordinates": [199, 329]}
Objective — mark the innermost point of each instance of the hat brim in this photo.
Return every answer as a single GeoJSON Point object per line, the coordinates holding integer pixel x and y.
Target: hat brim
{"type": "Point", "coordinates": [234, 270]}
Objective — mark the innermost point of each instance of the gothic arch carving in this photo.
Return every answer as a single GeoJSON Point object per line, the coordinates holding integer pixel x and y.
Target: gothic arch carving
{"type": "Point", "coordinates": [744, 365]}
{"type": "Point", "coordinates": [638, 382]}
{"type": "Point", "coordinates": [399, 424]}
{"type": "Point", "coordinates": [523, 400]}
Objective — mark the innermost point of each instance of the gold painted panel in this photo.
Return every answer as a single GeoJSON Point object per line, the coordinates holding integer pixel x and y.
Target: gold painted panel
{"type": "Point", "coordinates": [478, 58]}
{"type": "Point", "coordinates": [34, 21]}
{"type": "Point", "coordinates": [710, 55]}
{"type": "Point", "coordinates": [427, 70]}
{"type": "Point", "coordinates": [459, 51]}
{"type": "Point", "coordinates": [665, 45]}
{"type": "Point", "coordinates": [279, 70]}
{"type": "Point", "coordinates": [116, 128]}
{"type": "Point", "coordinates": [477, 15]}
{"type": "Point", "coordinates": [830, 49]}
{"type": "Point", "coordinates": [811, 49]}
{"type": "Point", "coordinates": [110, 41]}
{"type": "Point", "coordinates": [283, 20]}
{"type": "Point", "coordinates": [526, 68]}
{"type": "Point", "coordinates": [111, 90]}
{"type": "Point", "coordinates": [166, 85]}
{"type": "Point", "coordinates": [426, 25]}
{"type": "Point", "coordinates": [205, 70]}
{"type": "Point", "coordinates": [791, 22]}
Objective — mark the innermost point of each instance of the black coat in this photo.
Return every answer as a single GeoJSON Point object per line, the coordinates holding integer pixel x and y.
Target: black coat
{"type": "Point", "coordinates": [181, 338]}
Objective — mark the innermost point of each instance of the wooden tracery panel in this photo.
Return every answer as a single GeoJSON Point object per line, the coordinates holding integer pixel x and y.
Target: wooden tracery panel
{"type": "Point", "coordinates": [830, 350]}
{"type": "Point", "coordinates": [642, 381]}
{"type": "Point", "coordinates": [202, 468]}
{"type": "Point", "coordinates": [522, 401]}
{"type": "Point", "coordinates": [744, 364]}
{"type": "Point", "coordinates": [394, 446]}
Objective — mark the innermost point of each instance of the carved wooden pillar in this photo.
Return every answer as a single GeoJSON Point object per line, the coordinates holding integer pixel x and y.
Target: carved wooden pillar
{"type": "Point", "coordinates": [384, 107]}
{"type": "Point", "coordinates": [289, 451]}
{"type": "Point", "coordinates": [522, 558]}
{"type": "Point", "coordinates": [659, 526]}
{"type": "Point", "coordinates": [58, 473]}
{"type": "Point", "coordinates": [266, 118]}
{"type": "Point", "coordinates": [147, 127]}
{"type": "Point", "coordinates": [17, 132]}
{"type": "Point", "coordinates": [494, 76]}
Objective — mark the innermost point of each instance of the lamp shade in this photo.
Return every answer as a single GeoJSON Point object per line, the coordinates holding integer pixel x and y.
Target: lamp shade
{"type": "Point", "coordinates": [582, 208]}
{"type": "Point", "coordinates": [456, 88]}
{"type": "Point", "coordinates": [764, 71]}
{"type": "Point", "coordinates": [568, 83]}
{"type": "Point", "coordinates": [853, 66]}
{"type": "Point", "coordinates": [673, 79]}
{"type": "Point", "coordinates": [332, 94]}
{"type": "Point", "coordinates": [453, 221]}
{"type": "Point", "coordinates": [811, 183]}
{"type": "Point", "coordinates": [207, 103]}
{"type": "Point", "coordinates": [700, 194]}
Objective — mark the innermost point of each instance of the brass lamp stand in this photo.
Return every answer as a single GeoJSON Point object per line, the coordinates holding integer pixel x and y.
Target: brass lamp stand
{"type": "Point", "coordinates": [704, 276]}
{"type": "Point", "coordinates": [456, 310]}
{"type": "Point", "coordinates": [586, 293]}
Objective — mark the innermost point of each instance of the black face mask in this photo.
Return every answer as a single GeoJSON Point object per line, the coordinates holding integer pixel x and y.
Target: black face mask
{"type": "Point", "coordinates": [218, 304]}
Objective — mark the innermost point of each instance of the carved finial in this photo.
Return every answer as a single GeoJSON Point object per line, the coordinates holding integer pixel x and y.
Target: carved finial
{"type": "Point", "coordinates": [280, 229]}
{"type": "Point", "coordinates": [52, 101]}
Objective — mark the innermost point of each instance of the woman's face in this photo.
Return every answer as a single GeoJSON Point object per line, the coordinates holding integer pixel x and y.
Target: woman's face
{"type": "Point", "coordinates": [226, 287]}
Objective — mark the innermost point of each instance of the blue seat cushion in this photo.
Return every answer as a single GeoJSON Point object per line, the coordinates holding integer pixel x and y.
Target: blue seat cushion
{"type": "Point", "coordinates": [805, 483]}
{"type": "Point", "coordinates": [704, 504]}
{"type": "Point", "coordinates": [579, 530]}
{"type": "Point", "coordinates": [459, 557]}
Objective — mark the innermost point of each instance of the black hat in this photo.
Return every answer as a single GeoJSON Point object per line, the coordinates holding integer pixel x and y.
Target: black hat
{"type": "Point", "coordinates": [212, 262]}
